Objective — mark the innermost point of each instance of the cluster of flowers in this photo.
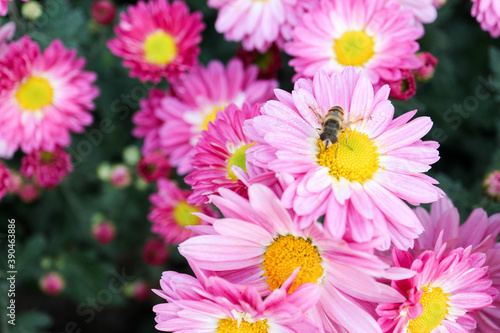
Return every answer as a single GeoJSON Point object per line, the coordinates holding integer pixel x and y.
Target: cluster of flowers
{"type": "Point", "coordinates": [43, 97]}
{"type": "Point", "coordinates": [274, 171]}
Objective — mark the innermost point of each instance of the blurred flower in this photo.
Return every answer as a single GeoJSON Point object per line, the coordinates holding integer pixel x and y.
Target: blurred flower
{"type": "Point", "coordinates": [5, 180]}
{"type": "Point", "coordinates": [439, 3]}
{"type": "Point", "coordinates": [404, 88]}
{"type": "Point", "coordinates": [43, 96]}
{"type": "Point", "coordinates": [52, 283]}
{"type": "Point", "coordinates": [103, 11]}
{"type": "Point", "coordinates": [4, 6]}
{"type": "Point", "coordinates": [154, 166]}
{"type": "Point", "coordinates": [157, 39]}
{"type": "Point", "coordinates": [120, 176]}
{"type": "Point", "coordinates": [258, 245]}
{"type": "Point", "coordinates": [373, 35]}
{"type": "Point", "coordinates": [7, 31]}
{"type": "Point", "coordinates": [155, 252]}
{"type": "Point", "coordinates": [426, 71]}
{"type": "Point", "coordinates": [215, 305]}
{"type": "Point", "coordinates": [220, 160]}
{"type": "Point", "coordinates": [138, 290]}
{"type": "Point", "coordinates": [104, 171]}
{"type": "Point", "coordinates": [487, 13]}
{"type": "Point", "coordinates": [32, 10]}
{"type": "Point", "coordinates": [148, 120]}
{"type": "Point", "coordinates": [424, 11]}
{"type": "Point", "coordinates": [446, 288]}
{"type": "Point", "coordinates": [28, 192]}
{"type": "Point", "coordinates": [15, 182]}
{"type": "Point", "coordinates": [491, 185]}
{"type": "Point", "coordinates": [360, 180]}
{"type": "Point", "coordinates": [197, 99]}
{"type": "Point", "coordinates": [171, 214]}
{"type": "Point", "coordinates": [268, 62]}
{"type": "Point", "coordinates": [103, 231]}
{"type": "Point", "coordinates": [47, 168]}
{"type": "Point", "coordinates": [258, 24]}
{"type": "Point", "coordinates": [131, 155]}
{"type": "Point", "coordinates": [479, 232]}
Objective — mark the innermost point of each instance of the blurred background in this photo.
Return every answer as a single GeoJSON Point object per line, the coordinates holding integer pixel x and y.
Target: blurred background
{"type": "Point", "coordinates": [105, 276]}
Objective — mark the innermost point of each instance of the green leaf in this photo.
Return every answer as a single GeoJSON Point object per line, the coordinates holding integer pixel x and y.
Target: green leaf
{"type": "Point", "coordinates": [31, 322]}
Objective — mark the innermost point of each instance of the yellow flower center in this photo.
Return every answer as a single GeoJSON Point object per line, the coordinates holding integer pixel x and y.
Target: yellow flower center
{"type": "Point", "coordinates": [183, 216]}
{"type": "Point", "coordinates": [160, 48]}
{"type": "Point", "coordinates": [238, 159]}
{"type": "Point", "coordinates": [211, 116]}
{"type": "Point", "coordinates": [34, 94]}
{"type": "Point", "coordinates": [353, 157]}
{"type": "Point", "coordinates": [232, 326]}
{"type": "Point", "coordinates": [354, 48]}
{"type": "Point", "coordinates": [435, 303]}
{"type": "Point", "coordinates": [47, 157]}
{"type": "Point", "coordinates": [287, 253]}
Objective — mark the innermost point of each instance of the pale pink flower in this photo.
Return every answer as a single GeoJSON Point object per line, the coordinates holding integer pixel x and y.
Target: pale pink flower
{"type": "Point", "coordinates": [360, 182]}
{"type": "Point", "coordinates": [373, 35]}
{"type": "Point", "coordinates": [157, 39]}
{"type": "Point", "coordinates": [213, 304]}
{"type": "Point", "coordinates": [258, 24]}
{"type": "Point", "coordinates": [43, 96]}
{"type": "Point", "coordinates": [197, 98]}
{"type": "Point", "coordinates": [480, 233]}
{"type": "Point", "coordinates": [491, 185]}
{"type": "Point", "coordinates": [258, 244]}
{"type": "Point", "coordinates": [441, 296]}
{"type": "Point", "coordinates": [171, 215]}
{"type": "Point", "coordinates": [47, 168]}
{"type": "Point", "coordinates": [220, 159]}
{"type": "Point", "coordinates": [487, 13]}
{"type": "Point", "coordinates": [423, 11]}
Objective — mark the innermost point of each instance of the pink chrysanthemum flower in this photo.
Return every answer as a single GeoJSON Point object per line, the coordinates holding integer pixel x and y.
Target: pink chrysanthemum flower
{"type": "Point", "coordinates": [423, 11]}
{"type": "Point", "coordinates": [4, 180]}
{"type": "Point", "coordinates": [426, 71]}
{"type": "Point", "coordinates": [171, 214]}
{"type": "Point", "coordinates": [148, 120]}
{"type": "Point", "coordinates": [43, 96]}
{"type": "Point", "coordinates": [158, 39]}
{"type": "Point", "coordinates": [198, 97]}
{"type": "Point", "coordinates": [439, 298]}
{"type": "Point", "coordinates": [258, 24]}
{"type": "Point", "coordinates": [372, 35]}
{"type": "Point", "coordinates": [359, 181]}
{"type": "Point", "coordinates": [153, 166]}
{"type": "Point", "coordinates": [479, 232]}
{"type": "Point", "coordinates": [487, 13]}
{"type": "Point", "coordinates": [220, 159]}
{"type": "Point", "coordinates": [491, 185]}
{"type": "Point", "coordinates": [404, 88]}
{"type": "Point", "coordinates": [221, 306]}
{"type": "Point", "coordinates": [258, 244]}
{"type": "Point", "coordinates": [47, 168]}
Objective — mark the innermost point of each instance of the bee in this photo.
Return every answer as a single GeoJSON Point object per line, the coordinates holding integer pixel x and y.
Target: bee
{"type": "Point", "coordinates": [332, 126]}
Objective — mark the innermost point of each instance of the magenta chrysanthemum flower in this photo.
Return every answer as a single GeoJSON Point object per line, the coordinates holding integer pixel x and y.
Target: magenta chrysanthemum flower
{"type": "Point", "coordinates": [216, 305]}
{"type": "Point", "coordinates": [487, 13]}
{"type": "Point", "coordinates": [171, 213]}
{"type": "Point", "coordinates": [359, 181]}
{"type": "Point", "coordinates": [373, 35]}
{"type": "Point", "coordinates": [148, 120]}
{"type": "Point", "coordinates": [196, 100]}
{"type": "Point", "coordinates": [258, 244]}
{"type": "Point", "coordinates": [404, 88]}
{"type": "Point", "coordinates": [156, 39]}
{"type": "Point", "coordinates": [4, 180]}
{"type": "Point", "coordinates": [258, 24]}
{"type": "Point", "coordinates": [439, 298]}
{"type": "Point", "coordinates": [478, 232]}
{"type": "Point", "coordinates": [220, 159]}
{"type": "Point", "coordinates": [153, 166]}
{"type": "Point", "coordinates": [48, 168]}
{"type": "Point", "coordinates": [43, 96]}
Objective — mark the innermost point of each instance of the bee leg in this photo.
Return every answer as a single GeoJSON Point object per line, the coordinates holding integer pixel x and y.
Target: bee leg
{"type": "Point", "coordinates": [347, 143]}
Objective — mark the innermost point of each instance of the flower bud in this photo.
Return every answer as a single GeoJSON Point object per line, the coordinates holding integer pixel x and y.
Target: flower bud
{"type": "Point", "coordinates": [52, 283]}
{"type": "Point", "coordinates": [103, 11]}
